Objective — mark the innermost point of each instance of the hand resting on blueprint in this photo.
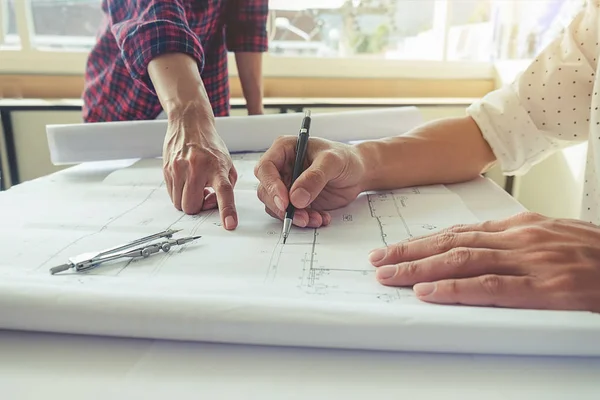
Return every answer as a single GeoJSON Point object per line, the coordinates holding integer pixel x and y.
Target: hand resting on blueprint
{"type": "Point", "coordinates": [526, 261]}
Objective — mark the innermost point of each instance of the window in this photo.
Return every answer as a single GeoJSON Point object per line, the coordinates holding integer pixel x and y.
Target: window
{"type": "Point", "coordinates": [9, 39]}
{"type": "Point", "coordinates": [523, 29]}
{"type": "Point", "coordinates": [384, 29]}
{"type": "Point", "coordinates": [64, 24]}
{"type": "Point", "coordinates": [320, 38]}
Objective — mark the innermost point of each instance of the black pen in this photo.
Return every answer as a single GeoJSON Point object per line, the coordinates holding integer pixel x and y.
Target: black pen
{"type": "Point", "coordinates": [301, 147]}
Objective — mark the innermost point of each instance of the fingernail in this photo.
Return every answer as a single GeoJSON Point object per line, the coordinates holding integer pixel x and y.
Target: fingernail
{"type": "Point", "coordinates": [300, 221]}
{"type": "Point", "coordinates": [301, 198]}
{"type": "Point", "coordinates": [387, 272]}
{"type": "Point", "coordinates": [229, 222]}
{"type": "Point", "coordinates": [377, 255]}
{"type": "Point", "coordinates": [279, 203]}
{"type": "Point", "coordinates": [424, 289]}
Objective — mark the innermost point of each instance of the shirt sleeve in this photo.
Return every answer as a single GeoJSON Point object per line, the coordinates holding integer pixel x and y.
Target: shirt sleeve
{"type": "Point", "coordinates": [246, 29]}
{"type": "Point", "coordinates": [145, 29]}
{"type": "Point", "coordinates": [548, 106]}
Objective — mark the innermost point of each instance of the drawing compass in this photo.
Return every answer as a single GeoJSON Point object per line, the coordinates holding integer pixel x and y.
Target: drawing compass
{"type": "Point", "coordinates": [87, 261]}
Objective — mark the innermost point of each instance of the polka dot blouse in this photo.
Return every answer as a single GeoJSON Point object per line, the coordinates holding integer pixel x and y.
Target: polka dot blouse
{"type": "Point", "coordinates": [552, 104]}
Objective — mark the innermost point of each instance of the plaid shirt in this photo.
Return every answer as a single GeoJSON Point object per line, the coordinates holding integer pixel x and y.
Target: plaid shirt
{"type": "Point", "coordinates": [117, 85]}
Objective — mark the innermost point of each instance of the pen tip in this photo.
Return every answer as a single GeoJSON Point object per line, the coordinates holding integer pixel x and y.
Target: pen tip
{"type": "Point", "coordinates": [284, 239]}
{"type": "Point", "coordinates": [307, 113]}
{"type": "Point", "coordinates": [196, 237]}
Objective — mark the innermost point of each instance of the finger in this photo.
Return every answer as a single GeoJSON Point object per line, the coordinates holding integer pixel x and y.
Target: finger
{"type": "Point", "coordinates": [274, 203]}
{"type": "Point", "coordinates": [210, 199]}
{"type": "Point", "coordinates": [168, 181]}
{"type": "Point", "coordinates": [326, 167]}
{"type": "Point", "coordinates": [461, 262]}
{"type": "Point", "coordinates": [226, 202]}
{"type": "Point", "coordinates": [437, 244]}
{"type": "Point", "coordinates": [233, 176]}
{"type": "Point", "coordinates": [485, 226]}
{"type": "Point", "coordinates": [274, 192]}
{"type": "Point", "coordinates": [318, 218]}
{"type": "Point", "coordinates": [485, 290]}
{"type": "Point", "coordinates": [193, 194]}
{"type": "Point", "coordinates": [301, 217]}
{"type": "Point", "coordinates": [178, 176]}
{"type": "Point", "coordinates": [315, 219]}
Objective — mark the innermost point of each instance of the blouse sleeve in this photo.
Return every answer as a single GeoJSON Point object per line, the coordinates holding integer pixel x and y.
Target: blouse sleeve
{"type": "Point", "coordinates": [548, 106]}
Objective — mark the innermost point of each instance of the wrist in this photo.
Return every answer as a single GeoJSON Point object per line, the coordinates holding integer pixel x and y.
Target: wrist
{"type": "Point", "coordinates": [369, 156]}
{"type": "Point", "coordinates": [193, 120]}
{"type": "Point", "coordinates": [255, 110]}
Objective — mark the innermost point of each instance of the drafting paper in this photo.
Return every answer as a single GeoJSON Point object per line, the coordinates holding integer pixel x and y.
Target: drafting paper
{"type": "Point", "coordinates": [76, 143]}
{"type": "Point", "coordinates": [244, 286]}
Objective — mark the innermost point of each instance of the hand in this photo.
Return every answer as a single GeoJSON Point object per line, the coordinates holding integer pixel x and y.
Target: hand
{"type": "Point", "coordinates": [526, 261]}
{"type": "Point", "coordinates": [197, 167]}
{"type": "Point", "coordinates": [331, 179]}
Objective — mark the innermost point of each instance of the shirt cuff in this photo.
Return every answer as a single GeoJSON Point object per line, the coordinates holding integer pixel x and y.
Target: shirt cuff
{"type": "Point", "coordinates": [515, 140]}
{"type": "Point", "coordinates": [151, 39]}
{"type": "Point", "coordinates": [253, 42]}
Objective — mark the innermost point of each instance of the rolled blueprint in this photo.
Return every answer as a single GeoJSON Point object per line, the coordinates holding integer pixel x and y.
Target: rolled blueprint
{"type": "Point", "coordinates": [77, 143]}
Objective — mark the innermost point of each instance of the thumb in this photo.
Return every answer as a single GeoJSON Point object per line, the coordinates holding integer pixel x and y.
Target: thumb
{"type": "Point", "coordinates": [326, 167]}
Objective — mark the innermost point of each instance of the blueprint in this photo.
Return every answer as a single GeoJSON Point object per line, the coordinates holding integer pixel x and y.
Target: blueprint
{"type": "Point", "coordinates": [330, 263]}
{"type": "Point", "coordinates": [244, 286]}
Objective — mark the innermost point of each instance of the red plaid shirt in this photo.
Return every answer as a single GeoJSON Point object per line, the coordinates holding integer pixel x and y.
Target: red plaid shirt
{"type": "Point", "coordinates": [117, 85]}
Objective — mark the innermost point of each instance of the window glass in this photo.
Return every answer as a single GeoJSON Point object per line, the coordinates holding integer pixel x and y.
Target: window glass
{"type": "Point", "coordinates": [389, 29]}
{"type": "Point", "coordinates": [470, 30]}
{"type": "Point", "coordinates": [8, 26]}
{"type": "Point", "coordinates": [65, 24]}
{"type": "Point", "coordinates": [524, 28]}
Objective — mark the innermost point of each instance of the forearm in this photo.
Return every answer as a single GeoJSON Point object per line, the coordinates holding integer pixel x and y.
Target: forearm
{"type": "Point", "coordinates": [440, 152]}
{"type": "Point", "coordinates": [179, 87]}
{"type": "Point", "coordinates": [249, 67]}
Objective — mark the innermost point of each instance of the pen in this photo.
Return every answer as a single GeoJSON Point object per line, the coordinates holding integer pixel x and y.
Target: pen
{"type": "Point", "coordinates": [301, 147]}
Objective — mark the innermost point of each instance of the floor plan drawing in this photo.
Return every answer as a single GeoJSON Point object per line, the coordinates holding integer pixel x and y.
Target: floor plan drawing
{"type": "Point", "coordinates": [328, 263]}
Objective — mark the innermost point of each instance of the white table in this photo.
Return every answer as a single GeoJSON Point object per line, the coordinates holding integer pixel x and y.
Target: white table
{"type": "Point", "coordinates": [50, 366]}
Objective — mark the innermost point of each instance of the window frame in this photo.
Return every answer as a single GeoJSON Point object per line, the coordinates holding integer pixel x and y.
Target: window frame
{"type": "Point", "coordinates": [30, 60]}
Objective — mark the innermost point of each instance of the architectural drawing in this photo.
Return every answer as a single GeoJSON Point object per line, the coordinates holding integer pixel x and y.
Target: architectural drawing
{"type": "Point", "coordinates": [329, 263]}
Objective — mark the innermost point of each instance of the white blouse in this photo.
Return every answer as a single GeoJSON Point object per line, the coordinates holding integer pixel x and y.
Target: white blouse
{"type": "Point", "coordinates": [552, 104]}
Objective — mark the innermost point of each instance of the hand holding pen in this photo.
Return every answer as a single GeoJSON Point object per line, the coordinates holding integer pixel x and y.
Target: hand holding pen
{"type": "Point", "coordinates": [330, 176]}
{"type": "Point", "coordinates": [301, 148]}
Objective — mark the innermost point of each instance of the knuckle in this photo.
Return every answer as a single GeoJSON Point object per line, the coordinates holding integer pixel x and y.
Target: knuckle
{"type": "Point", "coordinates": [259, 169]}
{"type": "Point", "coordinates": [459, 256]}
{"type": "Point", "coordinates": [531, 234]}
{"type": "Point", "coordinates": [223, 186]}
{"type": "Point", "coordinates": [227, 210]}
{"type": "Point", "coordinates": [196, 157]}
{"type": "Point", "coordinates": [460, 228]}
{"type": "Point", "coordinates": [445, 241]}
{"type": "Point", "coordinates": [179, 163]}
{"type": "Point", "coordinates": [330, 157]}
{"type": "Point", "coordinates": [528, 216]}
{"type": "Point", "coordinates": [281, 139]}
{"type": "Point", "coordinates": [566, 283]}
{"type": "Point", "coordinates": [453, 288]}
{"type": "Point", "coordinates": [317, 175]}
{"type": "Point", "coordinates": [491, 284]}
{"type": "Point", "coordinates": [410, 269]}
{"type": "Point", "coordinates": [400, 250]}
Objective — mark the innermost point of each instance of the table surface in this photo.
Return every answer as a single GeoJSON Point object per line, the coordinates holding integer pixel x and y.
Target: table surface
{"type": "Point", "coordinates": [54, 366]}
